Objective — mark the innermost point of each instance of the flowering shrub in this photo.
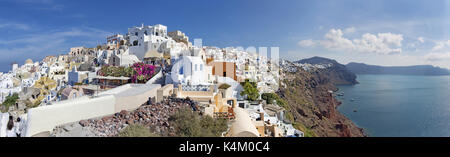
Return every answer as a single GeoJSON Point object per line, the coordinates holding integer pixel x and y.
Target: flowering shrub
{"type": "Point", "coordinates": [108, 70]}
{"type": "Point", "coordinates": [142, 72]}
{"type": "Point", "coordinates": [139, 72]}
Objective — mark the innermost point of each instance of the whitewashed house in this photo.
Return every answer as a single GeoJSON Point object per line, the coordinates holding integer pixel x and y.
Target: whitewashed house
{"type": "Point", "coordinates": [190, 70]}
{"type": "Point", "coordinates": [145, 40]}
{"type": "Point", "coordinates": [122, 58]}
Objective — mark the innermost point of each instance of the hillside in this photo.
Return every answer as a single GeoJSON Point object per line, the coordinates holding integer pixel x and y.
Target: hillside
{"type": "Point", "coordinates": [312, 106]}
{"type": "Point", "coordinates": [336, 73]}
{"type": "Point", "coordinates": [361, 68]}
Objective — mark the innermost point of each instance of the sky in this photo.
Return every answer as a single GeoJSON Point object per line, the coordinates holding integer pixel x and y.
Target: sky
{"type": "Point", "coordinates": [379, 32]}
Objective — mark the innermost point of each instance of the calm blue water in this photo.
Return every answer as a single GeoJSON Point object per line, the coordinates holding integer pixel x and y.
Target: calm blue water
{"type": "Point", "coordinates": [395, 105]}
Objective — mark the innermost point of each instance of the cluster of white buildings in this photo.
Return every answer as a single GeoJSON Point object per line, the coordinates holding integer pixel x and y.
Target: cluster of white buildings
{"type": "Point", "coordinates": [18, 78]}
{"type": "Point", "coordinates": [269, 119]}
{"type": "Point", "coordinates": [293, 66]}
{"type": "Point", "coordinates": [193, 71]}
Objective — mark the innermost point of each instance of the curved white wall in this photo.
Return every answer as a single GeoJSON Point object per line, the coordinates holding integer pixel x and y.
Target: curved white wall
{"type": "Point", "coordinates": [45, 118]}
{"type": "Point", "coordinates": [243, 125]}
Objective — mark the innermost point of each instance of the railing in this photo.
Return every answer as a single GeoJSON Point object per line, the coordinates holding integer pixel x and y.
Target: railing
{"type": "Point", "coordinates": [196, 88]}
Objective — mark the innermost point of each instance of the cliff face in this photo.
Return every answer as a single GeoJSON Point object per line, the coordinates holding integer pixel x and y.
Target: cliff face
{"type": "Point", "coordinates": [313, 106]}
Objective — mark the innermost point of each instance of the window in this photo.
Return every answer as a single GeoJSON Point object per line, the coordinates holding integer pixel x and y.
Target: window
{"type": "Point", "coordinates": [181, 71]}
{"type": "Point", "coordinates": [196, 67]}
{"type": "Point", "coordinates": [224, 74]}
{"type": "Point", "coordinates": [201, 67]}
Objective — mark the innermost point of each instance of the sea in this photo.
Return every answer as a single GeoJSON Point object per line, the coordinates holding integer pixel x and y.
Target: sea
{"type": "Point", "coordinates": [398, 105]}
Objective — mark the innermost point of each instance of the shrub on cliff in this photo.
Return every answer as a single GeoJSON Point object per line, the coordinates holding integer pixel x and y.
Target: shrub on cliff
{"type": "Point", "coordinates": [188, 123]}
{"type": "Point", "coordinates": [115, 71]}
{"type": "Point", "coordinates": [136, 130]}
{"type": "Point", "coordinates": [270, 97]}
{"type": "Point", "coordinates": [273, 97]}
{"type": "Point", "coordinates": [307, 131]}
{"type": "Point", "coordinates": [212, 126]}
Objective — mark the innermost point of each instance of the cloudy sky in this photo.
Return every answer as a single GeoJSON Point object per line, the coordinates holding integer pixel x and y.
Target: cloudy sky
{"type": "Point", "coordinates": [380, 32]}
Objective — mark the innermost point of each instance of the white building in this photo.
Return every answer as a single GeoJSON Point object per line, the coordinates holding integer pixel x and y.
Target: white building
{"type": "Point", "coordinates": [120, 58]}
{"type": "Point", "coordinates": [15, 66]}
{"type": "Point", "coordinates": [181, 37]}
{"type": "Point", "coordinates": [75, 76]}
{"type": "Point", "coordinates": [145, 40]}
{"type": "Point", "coordinates": [174, 49]}
{"type": "Point", "coordinates": [190, 70]}
{"type": "Point", "coordinates": [103, 56]}
{"type": "Point", "coordinates": [7, 86]}
{"type": "Point", "coordinates": [114, 40]}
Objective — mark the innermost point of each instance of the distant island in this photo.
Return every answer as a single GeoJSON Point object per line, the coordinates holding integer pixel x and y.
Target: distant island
{"type": "Point", "coordinates": [428, 70]}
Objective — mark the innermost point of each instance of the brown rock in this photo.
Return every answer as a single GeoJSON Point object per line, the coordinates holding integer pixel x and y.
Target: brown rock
{"type": "Point", "coordinates": [84, 123]}
{"type": "Point", "coordinates": [130, 122]}
{"type": "Point", "coordinates": [107, 118]}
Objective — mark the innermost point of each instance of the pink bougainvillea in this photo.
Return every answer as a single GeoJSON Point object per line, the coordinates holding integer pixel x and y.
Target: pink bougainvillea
{"type": "Point", "coordinates": [142, 72]}
{"type": "Point", "coordinates": [139, 72]}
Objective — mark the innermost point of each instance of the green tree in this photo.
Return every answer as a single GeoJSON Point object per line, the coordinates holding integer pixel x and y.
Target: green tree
{"type": "Point", "coordinates": [269, 97]}
{"type": "Point", "coordinates": [10, 100]}
{"type": "Point", "coordinates": [250, 90]}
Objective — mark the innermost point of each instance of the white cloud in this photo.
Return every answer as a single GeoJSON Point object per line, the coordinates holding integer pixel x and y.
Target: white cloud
{"type": "Point", "coordinates": [437, 56]}
{"type": "Point", "coordinates": [334, 40]}
{"type": "Point", "coordinates": [307, 43]}
{"type": "Point", "coordinates": [13, 25]}
{"type": "Point", "coordinates": [39, 38]}
{"type": "Point", "coordinates": [421, 39]}
{"type": "Point", "coordinates": [440, 45]}
{"type": "Point", "coordinates": [50, 5]}
{"type": "Point", "coordinates": [350, 30]}
{"type": "Point", "coordinates": [382, 43]}
{"type": "Point", "coordinates": [38, 45]}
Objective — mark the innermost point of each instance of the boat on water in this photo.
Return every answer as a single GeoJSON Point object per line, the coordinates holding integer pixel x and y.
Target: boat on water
{"type": "Point", "coordinates": [352, 100]}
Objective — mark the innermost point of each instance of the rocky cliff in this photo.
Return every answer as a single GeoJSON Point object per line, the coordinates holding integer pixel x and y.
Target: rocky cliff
{"type": "Point", "coordinates": [312, 106]}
